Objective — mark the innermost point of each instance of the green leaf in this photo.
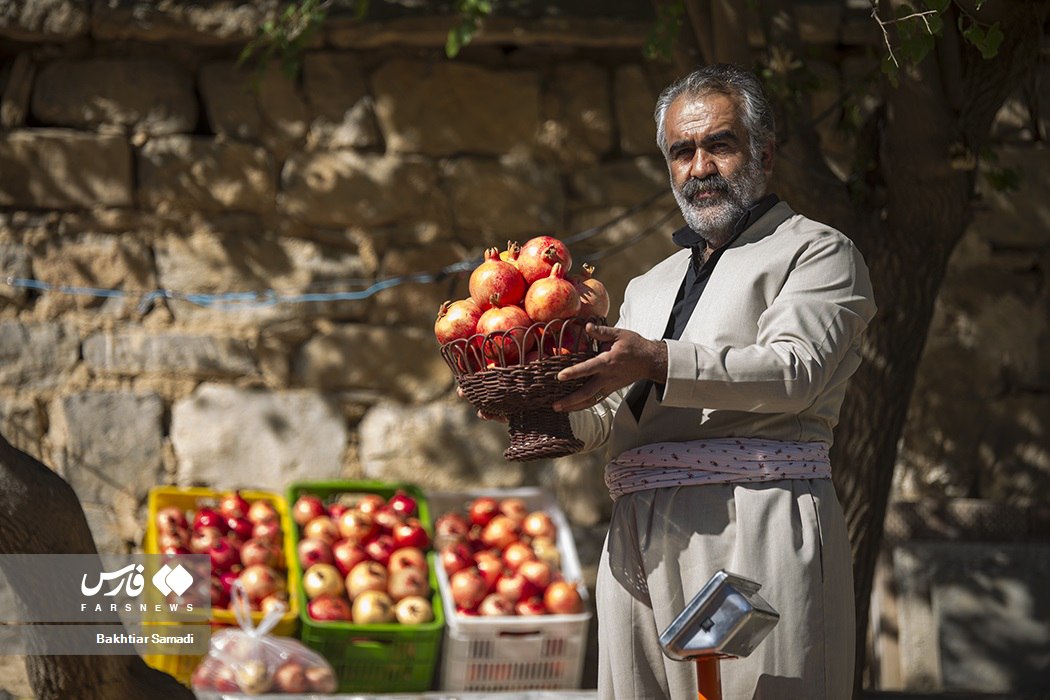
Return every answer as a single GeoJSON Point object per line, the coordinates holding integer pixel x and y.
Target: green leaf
{"type": "Point", "coordinates": [917, 47]}
{"type": "Point", "coordinates": [890, 69]}
{"type": "Point", "coordinates": [936, 24]}
{"type": "Point", "coordinates": [665, 29]}
{"type": "Point", "coordinates": [1003, 179]}
{"type": "Point", "coordinates": [986, 41]}
{"type": "Point", "coordinates": [939, 5]}
{"type": "Point", "coordinates": [993, 39]}
{"type": "Point", "coordinates": [246, 53]}
{"type": "Point", "coordinates": [455, 41]}
{"type": "Point", "coordinates": [975, 35]}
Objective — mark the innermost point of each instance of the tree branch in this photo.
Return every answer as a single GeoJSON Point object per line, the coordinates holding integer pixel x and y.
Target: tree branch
{"type": "Point", "coordinates": [699, 16]}
{"type": "Point", "coordinates": [802, 176]}
{"type": "Point", "coordinates": [729, 21]}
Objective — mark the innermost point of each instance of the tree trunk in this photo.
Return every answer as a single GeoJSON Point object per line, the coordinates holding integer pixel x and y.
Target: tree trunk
{"type": "Point", "coordinates": [939, 116]}
{"type": "Point", "coordinates": [27, 489]}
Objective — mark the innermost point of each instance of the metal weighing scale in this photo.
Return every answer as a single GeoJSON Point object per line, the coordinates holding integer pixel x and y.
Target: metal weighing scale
{"type": "Point", "coordinates": [727, 619]}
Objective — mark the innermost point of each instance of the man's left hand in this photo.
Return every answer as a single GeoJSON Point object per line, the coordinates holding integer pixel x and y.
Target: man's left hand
{"type": "Point", "coordinates": [629, 358]}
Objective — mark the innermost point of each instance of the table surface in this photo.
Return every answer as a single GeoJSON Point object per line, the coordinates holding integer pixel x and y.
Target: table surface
{"type": "Point", "coordinates": [432, 695]}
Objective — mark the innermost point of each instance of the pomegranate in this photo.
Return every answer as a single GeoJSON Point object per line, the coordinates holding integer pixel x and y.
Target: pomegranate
{"type": "Point", "coordinates": [456, 319]}
{"type": "Point", "coordinates": [496, 283]}
{"type": "Point", "coordinates": [483, 509]}
{"type": "Point", "coordinates": [468, 588]}
{"type": "Point", "coordinates": [552, 297]}
{"type": "Point", "coordinates": [500, 532]}
{"type": "Point", "coordinates": [403, 504]}
{"type": "Point", "coordinates": [513, 508]}
{"type": "Point", "coordinates": [515, 587]}
{"type": "Point", "coordinates": [536, 572]}
{"type": "Point", "coordinates": [562, 338]}
{"type": "Point", "coordinates": [171, 519]}
{"type": "Point", "coordinates": [260, 581]}
{"type": "Point", "coordinates": [306, 508]}
{"type": "Point", "coordinates": [233, 505]}
{"type": "Point", "coordinates": [516, 554]}
{"type": "Point", "coordinates": [594, 297]}
{"type": "Point", "coordinates": [532, 606]}
{"type": "Point", "coordinates": [495, 605]}
{"type": "Point", "coordinates": [562, 598]}
{"type": "Point", "coordinates": [456, 557]}
{"type": "Point", "coordinates": [329, 607]}
{"type": "Point", "coordinates": [490, 565]}
{"type": "Point", "coordinates": [209, 517]}
{"type": "Point", "coordinates": [450, 528]}
{"type": "Point", "coordinates": [539, 524]}
{"type": "Point", "coordinates": [371, 502]}
{"type": "Point", "coordinates": [372, 608]}
{"type": "Point", "coordinates": [408, 558]}
{"type": "Point", "coordinates": [413, 610]}
{"type": "Point", "coordinates": [539, 255]}
{"type": "Point", "coordinates": [510, 322]}
{"type": "Point", "coordinates": [510, 255]}
{"type": "Point", "coordinates": [239, 528]}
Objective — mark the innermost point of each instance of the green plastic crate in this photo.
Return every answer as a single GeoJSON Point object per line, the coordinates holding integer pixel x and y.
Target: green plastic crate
{"type": "Point", "coordinates": [373, 658]}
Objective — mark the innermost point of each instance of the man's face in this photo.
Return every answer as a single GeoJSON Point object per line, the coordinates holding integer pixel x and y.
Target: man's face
{"type": "Point", "coordinates": [714, 176]}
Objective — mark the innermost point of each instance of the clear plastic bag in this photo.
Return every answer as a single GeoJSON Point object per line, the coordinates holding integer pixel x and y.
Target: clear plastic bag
{"type": "Point", "coordinates": [251, 661]}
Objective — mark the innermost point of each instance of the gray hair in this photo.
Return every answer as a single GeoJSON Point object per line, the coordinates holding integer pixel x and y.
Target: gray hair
{"type": "Point", "coordinates": [725, 79]}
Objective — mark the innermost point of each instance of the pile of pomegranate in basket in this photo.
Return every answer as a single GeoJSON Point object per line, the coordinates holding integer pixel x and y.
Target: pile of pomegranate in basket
{"type": "Point", "coordinates": [364, 559]}
{"type": "Point", "coordinates": [243, 541]}
{"type": "Point", "coordinates": [513, 289]}
{"type": "Point", "coordinates": [503, 559]}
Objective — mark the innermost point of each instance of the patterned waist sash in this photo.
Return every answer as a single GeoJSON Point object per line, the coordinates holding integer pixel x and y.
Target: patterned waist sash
{"type": "Point", "coordinates": [720, 461]}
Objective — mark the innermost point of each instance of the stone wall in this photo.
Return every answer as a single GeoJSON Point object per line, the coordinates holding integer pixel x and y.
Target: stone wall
{"type": "Point", "coordinates": [979, 421]}
{"type": "Point", "coordinates": [135, 155]}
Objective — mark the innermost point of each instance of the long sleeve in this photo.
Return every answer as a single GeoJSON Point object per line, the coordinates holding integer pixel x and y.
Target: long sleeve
{"type": "Point", "coordinates": [803, 336]}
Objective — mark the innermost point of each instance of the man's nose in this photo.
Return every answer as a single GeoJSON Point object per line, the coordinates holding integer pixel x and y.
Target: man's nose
{"type": "Point", "coordinates": [703, 165]}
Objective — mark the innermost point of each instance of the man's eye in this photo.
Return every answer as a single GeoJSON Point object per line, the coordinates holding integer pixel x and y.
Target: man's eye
{"type": "Point", "coordinates": [683, 154]}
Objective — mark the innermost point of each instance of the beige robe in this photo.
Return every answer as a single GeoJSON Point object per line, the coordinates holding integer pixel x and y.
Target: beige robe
{"type": "Point", "coordinates": [767, 354]}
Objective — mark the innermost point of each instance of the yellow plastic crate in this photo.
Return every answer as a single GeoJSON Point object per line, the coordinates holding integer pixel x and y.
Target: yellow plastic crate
{"type": "Point", "coordinates": [182, 666]}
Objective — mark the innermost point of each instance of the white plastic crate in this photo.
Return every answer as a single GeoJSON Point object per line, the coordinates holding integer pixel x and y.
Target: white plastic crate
{"type": "Point", "coordinates": [541, 652]}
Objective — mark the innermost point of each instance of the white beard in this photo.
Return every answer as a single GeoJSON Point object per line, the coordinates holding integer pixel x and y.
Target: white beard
{"type": "Point", "coordinates": [714, 219]}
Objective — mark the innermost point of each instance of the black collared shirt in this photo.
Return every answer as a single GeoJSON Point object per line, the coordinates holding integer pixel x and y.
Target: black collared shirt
{"type": "Point", "coordinates": [699, 272]}
{"type": "Point", "coordinates": [696, 277]}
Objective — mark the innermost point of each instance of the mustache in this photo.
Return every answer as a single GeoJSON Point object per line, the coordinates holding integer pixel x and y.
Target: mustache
{"type": "Point", "coordinates": [712, 183]}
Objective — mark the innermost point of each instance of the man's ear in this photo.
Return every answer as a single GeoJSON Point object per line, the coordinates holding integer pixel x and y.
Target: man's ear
{"type": "Point", "coordinates": [768, 156]}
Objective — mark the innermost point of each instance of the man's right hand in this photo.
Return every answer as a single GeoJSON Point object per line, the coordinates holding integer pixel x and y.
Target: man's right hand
{"type": "Point", "coordinates": [629, 358]}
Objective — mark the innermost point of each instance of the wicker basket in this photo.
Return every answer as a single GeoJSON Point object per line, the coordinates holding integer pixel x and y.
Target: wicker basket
{"type": "Point", "coordinates": [514, 374]}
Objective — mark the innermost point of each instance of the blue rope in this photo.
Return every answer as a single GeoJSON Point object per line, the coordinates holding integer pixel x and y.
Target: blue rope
{"type": "Point", "coordinates": [271, 297]}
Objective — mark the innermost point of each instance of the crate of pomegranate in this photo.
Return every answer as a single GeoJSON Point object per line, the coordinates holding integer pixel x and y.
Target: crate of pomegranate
{"type": "Point", "coordinates": [367, 583]}
{"type": "Point", "coordinates": [246, 535]}
{"type": "Point", "coordinates": [522, 324]}
{"type": "Point", "coordinates": [517, 610]}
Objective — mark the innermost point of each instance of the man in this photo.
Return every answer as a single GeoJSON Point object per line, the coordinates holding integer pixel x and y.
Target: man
{"type": "Point", "coordinates": [716, 400]}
